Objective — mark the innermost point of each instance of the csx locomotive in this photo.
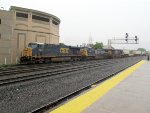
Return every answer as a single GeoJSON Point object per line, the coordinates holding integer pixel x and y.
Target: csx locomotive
{"type": "Point", "coordinates": [45, 53]}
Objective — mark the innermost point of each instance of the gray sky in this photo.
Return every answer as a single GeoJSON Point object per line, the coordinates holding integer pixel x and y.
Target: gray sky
{"type": "Point", "coordinates": [103, 19]}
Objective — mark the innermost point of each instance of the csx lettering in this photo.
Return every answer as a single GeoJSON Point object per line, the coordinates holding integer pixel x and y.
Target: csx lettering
{"type": "Point", "coordinates": [64, 50]}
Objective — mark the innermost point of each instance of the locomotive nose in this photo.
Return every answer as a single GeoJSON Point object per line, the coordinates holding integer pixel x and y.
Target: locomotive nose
{"type": "Point", "coordinates": [27, 52]}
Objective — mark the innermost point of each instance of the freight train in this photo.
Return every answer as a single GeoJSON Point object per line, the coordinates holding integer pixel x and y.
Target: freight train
{"type": "Point", "coordinates": [45, 53]}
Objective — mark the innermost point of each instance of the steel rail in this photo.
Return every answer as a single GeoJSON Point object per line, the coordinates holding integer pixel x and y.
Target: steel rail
{"type": "Point", "coordinates": [37, 75]}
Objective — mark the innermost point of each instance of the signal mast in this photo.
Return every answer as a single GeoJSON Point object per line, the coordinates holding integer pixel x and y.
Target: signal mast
{"type": "Point", "coordinates": [126, 40]}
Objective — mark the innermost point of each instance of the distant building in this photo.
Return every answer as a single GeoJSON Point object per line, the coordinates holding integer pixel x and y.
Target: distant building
{"type": "Point", "coordinates": [20, 26]}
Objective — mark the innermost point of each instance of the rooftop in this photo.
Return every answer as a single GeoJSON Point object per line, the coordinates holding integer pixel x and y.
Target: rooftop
{"type": "Point", "coordinates": [34, 11]}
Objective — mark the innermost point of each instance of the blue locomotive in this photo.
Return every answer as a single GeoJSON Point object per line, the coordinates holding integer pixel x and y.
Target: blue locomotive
{"type": "Point", "coordinates": [44, 53]}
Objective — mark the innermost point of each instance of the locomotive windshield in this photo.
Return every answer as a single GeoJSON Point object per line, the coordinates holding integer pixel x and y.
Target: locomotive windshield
{"type": "Point", "coordinates": [32, 45]}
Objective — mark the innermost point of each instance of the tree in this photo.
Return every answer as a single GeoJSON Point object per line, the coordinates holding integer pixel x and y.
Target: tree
{"type": "Point", "coordinates": [98, 45]}
{"type": "Point", "coordinates": [141, 49]}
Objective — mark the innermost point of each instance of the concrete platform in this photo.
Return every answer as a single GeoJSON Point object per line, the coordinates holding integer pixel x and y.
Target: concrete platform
{"type": "Point", "coordinates": [127, 92]}
{"type": "Point", "coordinates": [132, 95]}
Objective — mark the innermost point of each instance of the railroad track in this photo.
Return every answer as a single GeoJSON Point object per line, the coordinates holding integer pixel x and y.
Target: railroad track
{"type": "Point", "coordinates": [14, 76]}
{"type": "Point", "coordinates": [54, 70]}
{"type": "Point", "coordinates": [37, 67]}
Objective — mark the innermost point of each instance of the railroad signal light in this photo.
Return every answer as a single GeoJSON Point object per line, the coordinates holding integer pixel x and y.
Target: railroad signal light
{"type": "Point", "coordinates": [126, 37]}
{"type": "Point", "coordinates": [136, 39]}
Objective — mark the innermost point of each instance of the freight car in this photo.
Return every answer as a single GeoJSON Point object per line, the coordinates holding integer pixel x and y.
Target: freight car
{"type": "Point", "coordinates": [45, 53]}
{"type": "Point", "coordinates": [108, 53]}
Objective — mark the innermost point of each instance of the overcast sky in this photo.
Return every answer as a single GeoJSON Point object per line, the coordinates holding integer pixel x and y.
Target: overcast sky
{"type": "Point", "coordinates": [102, 19]}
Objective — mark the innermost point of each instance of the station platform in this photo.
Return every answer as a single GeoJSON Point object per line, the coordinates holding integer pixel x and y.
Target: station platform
{"type": "Point", "coordinates": [126, 92]}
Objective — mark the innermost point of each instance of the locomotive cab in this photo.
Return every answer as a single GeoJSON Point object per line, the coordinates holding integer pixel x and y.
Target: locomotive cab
{"type": "Point", "coordinates": [87, 53]}
{"type": "Point", "coordinates": [29, 52]}
{"type": "Point", "coordinates": [83, 52]}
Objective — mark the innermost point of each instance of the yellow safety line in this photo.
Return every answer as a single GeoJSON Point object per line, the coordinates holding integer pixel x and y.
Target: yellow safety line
{"type": "Point", "coordinates": [80, 103]}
